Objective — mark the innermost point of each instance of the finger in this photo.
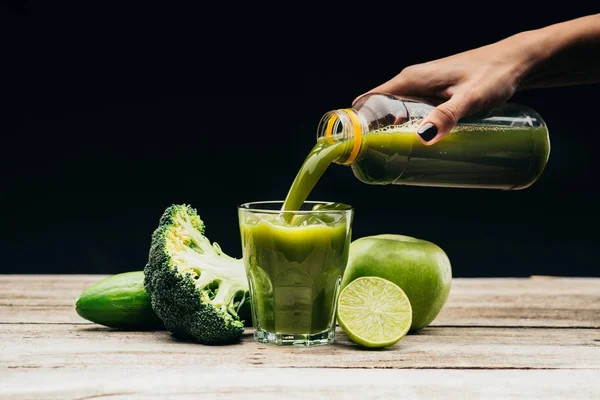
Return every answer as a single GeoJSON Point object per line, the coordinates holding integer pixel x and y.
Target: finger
{"type": "Point", "coordinates": [397, 85]}
{"type": "Point", "coordinates": [440, 121]}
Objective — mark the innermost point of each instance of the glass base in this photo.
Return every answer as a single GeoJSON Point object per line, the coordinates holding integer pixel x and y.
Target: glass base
{"type": "Point", "coordinates": [297, 339]}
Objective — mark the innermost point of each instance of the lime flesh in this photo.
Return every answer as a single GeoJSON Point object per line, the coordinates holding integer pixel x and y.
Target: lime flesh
{"type": "Point", "coordinates": [374, 312]}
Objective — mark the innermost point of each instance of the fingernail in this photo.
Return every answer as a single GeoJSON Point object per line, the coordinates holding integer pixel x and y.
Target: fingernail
{"type": "Point", "coordinates": [427, 131]}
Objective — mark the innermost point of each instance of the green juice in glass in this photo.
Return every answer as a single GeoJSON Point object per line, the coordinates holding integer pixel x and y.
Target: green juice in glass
{"type": "Point", "coordinates": [295, 262]}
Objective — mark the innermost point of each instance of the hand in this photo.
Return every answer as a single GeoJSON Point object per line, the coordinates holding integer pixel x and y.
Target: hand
{"type": "Point", "coordinates": [465, 83]}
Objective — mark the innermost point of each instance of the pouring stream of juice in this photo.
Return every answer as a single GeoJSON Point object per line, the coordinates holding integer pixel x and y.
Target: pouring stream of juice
{"type": "Point", "coordinates": [314, 166]}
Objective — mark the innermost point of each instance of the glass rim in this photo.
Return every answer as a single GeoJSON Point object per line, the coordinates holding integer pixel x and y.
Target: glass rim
{"type": "Point", "coordinates": [247, 206]}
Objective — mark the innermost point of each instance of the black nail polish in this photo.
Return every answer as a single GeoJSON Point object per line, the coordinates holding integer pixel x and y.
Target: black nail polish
{"type": "Point", "coordinates": [427, 131]}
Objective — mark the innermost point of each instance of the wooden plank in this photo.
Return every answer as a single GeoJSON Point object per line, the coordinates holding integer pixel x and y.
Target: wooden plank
{"type": "Point", "coordinates": [536, 301]}
{"type": "Point", "coordinates": [557, 302]}
{"type": "Point", "coordinates": [58, 346]}
{"type": "Point", "coordinates": [42, 298]}
{"type": "Point", "coordinates": [203, 381]}
{"type": "Point", "coordinates": [477, 348]}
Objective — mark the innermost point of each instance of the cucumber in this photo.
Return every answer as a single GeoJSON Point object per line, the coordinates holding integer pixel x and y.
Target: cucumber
{"type": "Point", "coordinates": [119, 301]}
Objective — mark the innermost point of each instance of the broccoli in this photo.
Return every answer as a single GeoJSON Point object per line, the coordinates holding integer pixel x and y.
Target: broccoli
{"type": "Point", "coordinates": [196, 289]}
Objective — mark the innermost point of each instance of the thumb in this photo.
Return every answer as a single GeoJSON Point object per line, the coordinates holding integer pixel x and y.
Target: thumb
{"type": "Point", "coordinates": [440, 121]}
{"type": "Point", "coordinates": [396, 85]}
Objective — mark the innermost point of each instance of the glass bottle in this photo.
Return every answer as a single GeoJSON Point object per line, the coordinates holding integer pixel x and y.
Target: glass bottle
{"type": "Point", "coordinates": [506, 147]}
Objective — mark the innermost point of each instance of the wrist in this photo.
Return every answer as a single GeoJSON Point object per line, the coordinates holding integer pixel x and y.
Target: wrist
{"type": "Point", "coordinates": [528, 50]}
{"type": "Point", "coordinates": [556, 55]}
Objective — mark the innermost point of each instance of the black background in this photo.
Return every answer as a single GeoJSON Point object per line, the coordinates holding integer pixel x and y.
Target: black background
{"type": "Point", "coordinates": [112, 113]}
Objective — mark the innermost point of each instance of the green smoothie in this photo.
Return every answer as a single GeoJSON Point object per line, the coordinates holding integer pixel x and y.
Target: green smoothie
{"type": "Point", "coordinates": [314, 166]}
{"type": "Point", "coordinates": [499, 157]}
{"type": "Point", "coordinates": [295, 269]}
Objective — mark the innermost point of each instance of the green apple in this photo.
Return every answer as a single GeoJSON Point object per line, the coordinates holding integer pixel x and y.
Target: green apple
{"type": "Point", "coordinates": [421, 268]}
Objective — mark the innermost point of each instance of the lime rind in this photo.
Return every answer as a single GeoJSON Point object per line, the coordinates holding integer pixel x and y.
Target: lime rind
{"type": "Point", "coordinates": [374, 312]}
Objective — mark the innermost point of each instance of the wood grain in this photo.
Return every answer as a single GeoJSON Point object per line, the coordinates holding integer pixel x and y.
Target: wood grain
{"type": "Point", "coordinates": [202, 382]}
{"type": "Point", "coordinates": [51, 346]}
{"type": "Point", "coordinates": [496, 338]}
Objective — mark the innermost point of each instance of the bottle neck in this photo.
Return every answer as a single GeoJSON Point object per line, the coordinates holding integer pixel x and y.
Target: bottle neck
{"type": "Point", "coordinates": [342, 127]}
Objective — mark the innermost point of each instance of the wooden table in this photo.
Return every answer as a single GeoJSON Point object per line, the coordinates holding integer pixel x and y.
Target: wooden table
{"type": "Point", "coordinates": [496, 338]}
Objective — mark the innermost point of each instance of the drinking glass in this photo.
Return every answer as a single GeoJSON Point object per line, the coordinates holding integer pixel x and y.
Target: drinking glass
{"type": "Point", "coordinates": [295, 261]}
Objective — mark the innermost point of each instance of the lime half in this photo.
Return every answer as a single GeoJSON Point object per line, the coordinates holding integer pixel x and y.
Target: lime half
{"type": "Point", "coordinates": [374, 312]}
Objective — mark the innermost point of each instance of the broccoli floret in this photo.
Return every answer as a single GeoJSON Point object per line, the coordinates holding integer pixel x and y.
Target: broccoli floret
{"type": "Point", "coordinates": [196, 289]}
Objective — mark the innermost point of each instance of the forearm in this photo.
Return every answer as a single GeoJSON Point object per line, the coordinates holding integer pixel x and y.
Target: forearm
{"type": "Point", "coordinates": [566, 53]}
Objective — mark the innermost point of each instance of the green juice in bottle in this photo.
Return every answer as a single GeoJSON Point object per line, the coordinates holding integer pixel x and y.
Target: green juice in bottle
{"type": "Point", "coordinates": [502, 148]}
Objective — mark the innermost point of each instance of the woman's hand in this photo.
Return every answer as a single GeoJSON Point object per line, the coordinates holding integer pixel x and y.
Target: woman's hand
{"type": "Point", "coordinates": [465, 83]}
